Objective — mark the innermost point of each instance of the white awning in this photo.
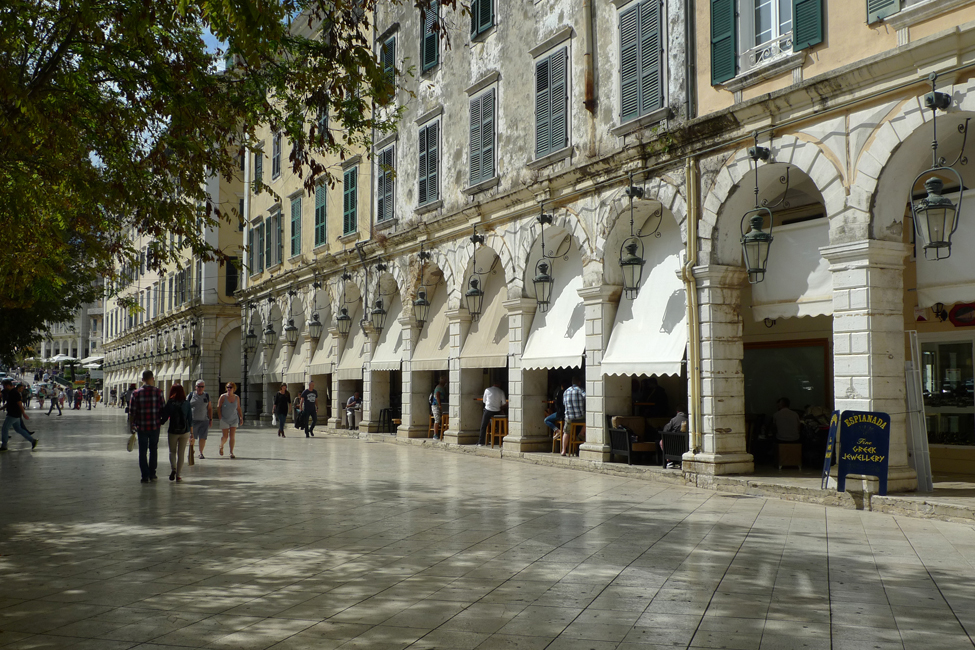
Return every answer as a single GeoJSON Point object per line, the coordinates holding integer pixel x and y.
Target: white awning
{"type": "Point", "coordinates": [389, 350]}
{"type": "Point", "coordinates": [323, 359]}
{"type": "Point", "coordinates": [487, 341]}
{"type": "Point", "coordinates": [277, 365]}
{"type": "Point", "coordinates": [798, 281]}
{"type": "Point", "coordinates": [93, 359]}
{"type": "Point", "coordinates": [296, 369]}
{"type": "Point", "coordinates": [433, 346]}
{"type": "Point", "coordinates": [650, 332]}
{"type": "Point", "coordinates": [350, 365]}
{"type": "Point", "coordinates": [558, 337]}
{"type": "Point", "coordinates": [950, 280]}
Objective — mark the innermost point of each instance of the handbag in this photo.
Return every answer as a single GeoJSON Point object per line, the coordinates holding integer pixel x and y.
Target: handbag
{"type": "Point", "coordinates": [131, 444]}
{"type": "Point", "coordinates": [274, 419]}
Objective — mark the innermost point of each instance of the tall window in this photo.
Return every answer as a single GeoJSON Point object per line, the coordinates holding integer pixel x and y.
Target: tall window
{"type": "Point", "coordinates": [295, 226]}
{"type": "Point", "coordinates": [350, 200]}
{"type": "Point", "coordinates": [231, 286]}
{"type": "Point", "coordinates": [260, 247]}
{"type": "Point", "coordinates": [482, 16]}
{"type": "Point", "coordinates": [430, 42]}
{"type": "Point", "coordinates": [251, 251]}
{"type": "Point", "coordinates": [320, 214]}
{"type": "Point", "coordinates": [641, 60]}
{"type": "Point", "coordinates": [387, 56]}
{"type": "Point", "coordinates": [773, 18]}
{"type": "Point", "coordinates": [258, 172]}
{"type": "Point", "coordinates": [482, 137]}
{"type": "Point", "coordinates": [384, 187]}
{"type": "Point", "coordinates": [172, 291]}
{"type": "Point", "coordinates": [429, 163]}
{"type": "Point", "coordinates": [551, 103]}
{"type": "Point", "coordinates": [276, 156]}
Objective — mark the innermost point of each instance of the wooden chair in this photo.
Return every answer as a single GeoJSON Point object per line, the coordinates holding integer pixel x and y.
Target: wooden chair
{"type": "Point", "coordinates": [577, 435]}
{"type": "Point", "coordinates": [789, 454]}
{"type": "Point", "coordinates": [620, 444]}
{"type": "Point", "coordinates": [498, 430]}
{"type": "Point", "coordinates": [557, 437]}
{"type": "Point", "coordinates": [675, 446]}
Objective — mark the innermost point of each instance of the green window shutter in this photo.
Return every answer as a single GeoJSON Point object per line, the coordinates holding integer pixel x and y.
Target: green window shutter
{"type": "Point", "coordinates": [250, 250]}
{"type": "Point", "coordinates": [433, 161]}
{"type": "Point", "coordinates": [320, 214]}
{"type": "Point", "coordinates": [276, 156]}
{"type": "Point", "coordinates": [384, 185]}
{"type": "Point", "coordinates": [258, 170]}
{"type": "Point", "coordinates": [560, 101]}
{"type": "Point", "coordinates": [724, 45]}
{"type": "Point", "coordinates": [296, 227]}
{"type": "Point", "coordinates": [475, 148]}
{"type": "Point", "coordinates": [260, 247]}
{"type": "Point", "coordinates": [651, 55]}
{"type": "Point", "coordinates": [390, 155]}
{"type": "Point", "coordinates": [388, 58]}
{"type": "Point", "coordinates": [430, 45]}
{"type": "Point", "coordinates": [543, 108]}
{"type": "Point", "coordinates": [422, 168]}
{"type": "Point", "coordinates": [880, 9]}
{"type": "Point", "coordinates": [349, 201]}
{"type": "Point", "coordinates": [807, 23]}
{"type": "Point", "coordinates": [487, 135]}
{"type": "Point", "coordinates": [629, 64]}
{"type": "Point", "coordinates": [482, 16]}
{"type": "Point", "coordinates": [474, 11]}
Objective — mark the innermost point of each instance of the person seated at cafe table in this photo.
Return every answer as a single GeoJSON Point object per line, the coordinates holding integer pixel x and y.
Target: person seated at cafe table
{"type": "Point", "coordinates": [493, 402]}
{"type": "Point", "coordinates": [558, 406]}
{"type": "Point", "coordinates": [353, 409]}
{"type": "Point", "coordinates": [574, 399]}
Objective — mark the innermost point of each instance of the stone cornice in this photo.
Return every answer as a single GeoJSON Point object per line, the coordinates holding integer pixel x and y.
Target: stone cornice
{"type": "Point", "coordinates": [719, 275]}
{"type": "Point", "coordinates": [866, 252]}
{"type": "Point", "coordinates": [601, 293]}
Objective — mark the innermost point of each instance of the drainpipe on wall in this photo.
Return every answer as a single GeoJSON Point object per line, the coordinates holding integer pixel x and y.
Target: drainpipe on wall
{"type": "Point", "coordinates": [693, 316]}
{"type": "Point", "coordinates": [591, 102]}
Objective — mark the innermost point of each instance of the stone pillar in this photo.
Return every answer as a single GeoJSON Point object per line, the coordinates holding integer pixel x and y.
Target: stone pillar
{"type": "Point", "coordinates": [465, 413]}
{"type": "Point", "coordinates": [374, 384]}
{"type": "Point", "coordinates": [526, 394]}
{"type": "Point", "coordinates": [416, 408]}
{"type": "Point", "coordinates": [722, 405]}
{"type": "Point", "coordinates": [601, 303]}
{"type": "Point", "coordinates": [868, 340]}
{"type": "Point", "coordinates": [337, 421]}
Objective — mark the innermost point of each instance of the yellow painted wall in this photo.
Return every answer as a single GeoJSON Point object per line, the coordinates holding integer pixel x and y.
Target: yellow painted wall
{"type": "Point", "coordinates": [951, 459]}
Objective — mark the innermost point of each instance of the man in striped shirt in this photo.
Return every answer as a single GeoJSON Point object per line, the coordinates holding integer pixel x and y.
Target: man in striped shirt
{"type": "Point", "coordinates": [145, 407]}
{"type": "Point", "coordinates": [574, 399]}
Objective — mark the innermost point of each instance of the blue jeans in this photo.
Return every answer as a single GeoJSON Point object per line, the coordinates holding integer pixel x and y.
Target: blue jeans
{"type": "Point", "coordinates": [311, 419]}
{"type": "Point", "coordinates": [55, 404]}
{"type": "Point", "coordinates": [551, 420]}
{"type": "Point", "coordinates": [11, 421]}
{"type": "Point", "coordinates": [148, 442]}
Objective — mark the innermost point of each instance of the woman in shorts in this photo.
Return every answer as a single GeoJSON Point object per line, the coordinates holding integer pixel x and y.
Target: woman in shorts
{"type": "Point", "coordinates": [228, 406]}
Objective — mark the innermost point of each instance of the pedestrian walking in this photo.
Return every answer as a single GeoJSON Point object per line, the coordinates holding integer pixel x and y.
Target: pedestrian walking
{"type": "Point", "coordinates": [282, 401]}
{"type": "Point", "coordinates": [89, 396]}
{"type": "Point", "coordinates": [309, 409]}
{"type": "Point", "coordinates": [228, 406]}
{"type": "Point", "coordinates": [202, 417]}
{"type": "Point", "coordinates": [179, 414]}
{"type": "Point", "coordinates": [15, 414]}
{"type": "Point", "coordinates": [56, 397]}
{"type": "Point", "coordinates": [144, 410]}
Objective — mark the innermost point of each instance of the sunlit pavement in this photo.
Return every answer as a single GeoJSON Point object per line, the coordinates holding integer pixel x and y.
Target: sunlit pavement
{"type": "Point", "coordinates": [337, 542]}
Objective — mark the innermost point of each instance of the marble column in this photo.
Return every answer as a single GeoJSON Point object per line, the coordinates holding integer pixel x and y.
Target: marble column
{"type": "Point", "coordinates": [337, 421]}
{"type": "Point", "coordinates": [869, 341]}
{"type": "Point", "coordinates": [526, 395]}
{"type": "Point", "coordinates": [416, 409]}
{"type": "Point", "coordinates": [465, 412]}
{"type": "Point", "coordinates": [724, 435]}
{"type": "Point", "coordinates": [602, 393]}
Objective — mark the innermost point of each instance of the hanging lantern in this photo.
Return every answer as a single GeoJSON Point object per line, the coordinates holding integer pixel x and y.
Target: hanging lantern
{"type": "Point", "coordinates": [315, 327]}
{"type": "Point", "coordinates": [631, 264]}
{"type": "Point", "coordinates": [421, 307]}
{"type": "Point", "coordinates": [935, 218]}
{"type": "Point", "coordinates": [250, 341]}
{"type": "Point", "coordinates": [755, 243]}
{"type": "Point", "coordinates": [194, 348]}
{"type": "Point", "coordinates": [378, 316]}
{"type": "Point", "coordinates": [343, 322]}
{"type": "Point", "coordinates": [475, 299]}
{"type": "Point", "coordinates": [543, 285]}
{"type": "Point", "coordinates": [270, 336]}
{"type": "Point", "coordinates": [291, 332]}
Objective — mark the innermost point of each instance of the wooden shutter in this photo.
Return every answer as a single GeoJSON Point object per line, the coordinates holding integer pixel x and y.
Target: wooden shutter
{"type": "Point", "coordinates": [487, 135]}
{"type": "Point", "coordinates": [296, 227]}
{"type": "Point", "coordinates": [482, 16]}
{"type": "Point", "coordinates": [260, 247]}
{"type": "Point", "coordinates": [430, 46]}
{"type": "Point", "coordinates": [388, 58]}
{"type": "Point", "coordinates": [250, 250]}
{"type": "Point", "coordinates": [258, 170]}
{"type": "Point", "coordinates": [880, 9]}
{"type": "Point", "coordinates": [349, 202]}
{"type": "Point", "coordinates": [320, 214]}
{"type": "Point", "coordinates": [422, 168]}
{"type": "Point", "coordinates": [390, 154]}
{"type": "Point", "coordinates": [433, 161]}
{"type": "Point", "coordinates": [651, 79]}
{"type": "Point", "coordinates": [807, 23]}
{"type": "Point", "coordinates": [629, 64]}
{"type": "Point", "coordinates": [724, 46]}
{"type": "Point", "coordinates": [384, 190]}
{"type": "Point", "coordinates": [543, 108]}
{"type": "Point", "coordinates": [475, 147]}
{"type": "Point", "coordinates": [560, 101]}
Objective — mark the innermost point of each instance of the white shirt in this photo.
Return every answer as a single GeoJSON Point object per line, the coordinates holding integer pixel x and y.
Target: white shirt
{"type": "Point", "coordinates": [493, 399]}
{"type": "Point", "coordinates": [787, 425]}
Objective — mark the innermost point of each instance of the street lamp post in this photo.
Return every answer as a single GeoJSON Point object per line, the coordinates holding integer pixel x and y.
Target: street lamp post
{"type": "Point", "coordinates": [250, 344]}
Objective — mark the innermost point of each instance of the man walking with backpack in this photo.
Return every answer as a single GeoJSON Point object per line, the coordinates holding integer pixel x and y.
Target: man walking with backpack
{"type": "Point", "coordinates": [202, 417]}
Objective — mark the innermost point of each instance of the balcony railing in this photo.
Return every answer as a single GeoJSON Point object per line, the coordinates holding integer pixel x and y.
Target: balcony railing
{"type": "Point", "coordinates": [765, 53]}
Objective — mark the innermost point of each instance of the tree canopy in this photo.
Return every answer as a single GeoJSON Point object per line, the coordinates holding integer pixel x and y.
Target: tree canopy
{"type": "Point", "coordinates": [114, 112]}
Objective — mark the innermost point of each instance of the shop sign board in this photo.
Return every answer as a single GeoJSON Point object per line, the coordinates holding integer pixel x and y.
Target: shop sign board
{"type": "Point", "coordinates": [834, 425]}
{"type": "Point", "coordinates": [864, 447]}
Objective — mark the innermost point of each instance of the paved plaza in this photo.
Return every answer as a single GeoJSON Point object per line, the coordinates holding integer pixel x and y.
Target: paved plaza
{"type": "Point", "coordinates": [336, 542]}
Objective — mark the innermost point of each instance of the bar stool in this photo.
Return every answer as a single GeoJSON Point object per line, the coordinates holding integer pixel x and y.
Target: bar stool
{"type": "Point", "coordinates": [385, 419]}
{"type": "Point", "coordinates": [499, 429]}
{"type": "Point", "coordinates": [577, 435]}
{"type": "Point", "coordinates": [444, 422]}
{"type": "Point", "coordinates": [557, 437]}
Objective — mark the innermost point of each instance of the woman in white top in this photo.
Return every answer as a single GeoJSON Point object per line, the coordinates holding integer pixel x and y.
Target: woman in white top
{"type": "Point", "coordinates": [228, 406]}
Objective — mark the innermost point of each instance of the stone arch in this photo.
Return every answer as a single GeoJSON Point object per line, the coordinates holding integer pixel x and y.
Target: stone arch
{"type": "Point", "coordinates": [663, 189]}
{"type": "Point", "coordinates": [806, 156]}
{"type": "Point", "coordinates": [498, 243]}
{"type": "Point", "coordinates": [229, 326]}
{"type": "Point", "coordinates": [337, 285]}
